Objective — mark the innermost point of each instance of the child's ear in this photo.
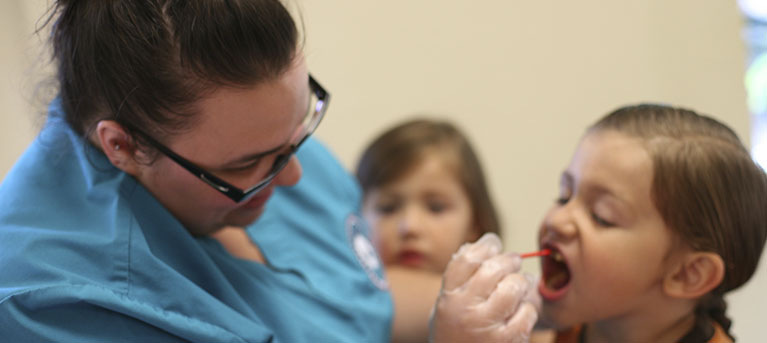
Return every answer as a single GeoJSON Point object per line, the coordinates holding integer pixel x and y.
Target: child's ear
{"type": "Point", "coordinates": [117, 146]}
{"type": "Point", "coordinates": [696, 274]}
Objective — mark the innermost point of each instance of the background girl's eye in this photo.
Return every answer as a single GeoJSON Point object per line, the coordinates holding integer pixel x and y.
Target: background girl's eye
{"type": "Point", "coordinates": [386, 208]}
{"type": "Point", "coordinates": [437, 207]}
{"type": "Point", "coordinates": [562, 200]}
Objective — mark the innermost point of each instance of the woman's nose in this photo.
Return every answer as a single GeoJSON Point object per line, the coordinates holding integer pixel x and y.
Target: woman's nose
{"type": "Point", "coordinates": [289, 175]}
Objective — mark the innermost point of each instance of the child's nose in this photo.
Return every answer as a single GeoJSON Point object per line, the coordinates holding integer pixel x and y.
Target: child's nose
{"type": "Point", "coordinates": [560, 222]}
{"type": "Point", "coordinates": [411, 222]}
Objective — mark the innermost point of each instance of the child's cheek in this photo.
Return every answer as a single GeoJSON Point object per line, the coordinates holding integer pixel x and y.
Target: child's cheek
{"type": "Point", "coordinates": [606, 272]}
{"type": "Point", "coordinates": [385, 249]}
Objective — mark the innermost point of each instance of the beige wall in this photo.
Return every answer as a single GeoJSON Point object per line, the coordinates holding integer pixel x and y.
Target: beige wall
{"type": "Point", "coordinates": [523, 78]}
{"type": "Point", "coordinates": [18, 55]}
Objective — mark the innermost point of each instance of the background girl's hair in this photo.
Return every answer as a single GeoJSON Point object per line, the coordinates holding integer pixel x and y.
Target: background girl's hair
{"type": "Point", "coordinates": [706, 187]}
{"type": "Point", "coordinates": [401, 148]}
{"type": "Point", "coordinates": [145, 63]}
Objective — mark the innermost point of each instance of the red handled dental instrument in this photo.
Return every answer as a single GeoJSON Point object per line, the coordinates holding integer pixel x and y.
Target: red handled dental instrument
{"type": "Point", "coordinates": [544, 252]}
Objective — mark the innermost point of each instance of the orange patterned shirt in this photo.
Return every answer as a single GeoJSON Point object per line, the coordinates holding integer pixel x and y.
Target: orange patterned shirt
{"type": "Point", "coordinates": [574, 335]}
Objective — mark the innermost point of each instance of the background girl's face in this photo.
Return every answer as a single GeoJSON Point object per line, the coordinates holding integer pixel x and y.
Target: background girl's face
{"type": "Point", "coordinates": [613, 243]}
{"type": "Point", "coordinates": [233, 126]}
{"type": "Point", "coordinates": [421, 218]}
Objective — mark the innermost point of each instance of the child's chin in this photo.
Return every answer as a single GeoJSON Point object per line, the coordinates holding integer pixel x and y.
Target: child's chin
{"type": "Point", "coordinates": [555, 316]}
{"type": "Point", "coordinates": [547, 322]}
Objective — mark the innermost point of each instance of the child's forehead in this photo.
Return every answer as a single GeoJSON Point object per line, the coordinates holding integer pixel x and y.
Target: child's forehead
{"type": "Point", "coordinates": [447, 154]}
{"type": "Point", "coordinates": [433, 162]}
{"type": "Point", "coordinates": [611, 148]}
{"type": "Point", "coordinates": [612, 162]}
{"type": "Point", "coordinates": [433, 171]}
{"type": "Point", "coordinates": [424, 156]}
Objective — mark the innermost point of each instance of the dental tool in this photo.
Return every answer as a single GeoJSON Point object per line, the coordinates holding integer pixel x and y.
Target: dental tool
{"type": "Point", "coordinates": [544, 252]}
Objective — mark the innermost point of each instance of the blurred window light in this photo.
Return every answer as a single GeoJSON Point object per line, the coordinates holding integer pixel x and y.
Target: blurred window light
{"type": "Point", "coordinates": [755, 35]}
{"type": "Point", "coordinates": [756, 87]}
{"type": "Point", "coordinates": [754, 9]}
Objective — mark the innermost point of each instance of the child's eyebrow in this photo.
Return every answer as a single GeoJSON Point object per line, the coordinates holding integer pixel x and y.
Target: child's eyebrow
{"type": "Point", "coordinates": [600, 190]}
{"type": "Point", "coordinates": [595, 189]}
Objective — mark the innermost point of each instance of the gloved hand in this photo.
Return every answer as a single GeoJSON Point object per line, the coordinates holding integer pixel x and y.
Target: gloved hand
{"type": "Point", "coordinates": [484, 298]}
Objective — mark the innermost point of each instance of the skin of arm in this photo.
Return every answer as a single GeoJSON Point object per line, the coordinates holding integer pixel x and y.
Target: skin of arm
{"type": "Point", "coordinates": [543, 336]}
{"type": "Point", "coordinates": [236, 241]}
{"type": "Point", "coordinates": [414, 293]}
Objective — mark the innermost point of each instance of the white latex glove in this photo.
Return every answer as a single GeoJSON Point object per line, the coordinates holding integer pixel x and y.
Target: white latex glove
{"type": "Point", "coordinates": [484, 298]}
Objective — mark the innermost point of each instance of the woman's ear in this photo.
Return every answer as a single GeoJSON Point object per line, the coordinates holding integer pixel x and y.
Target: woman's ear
{"type": "Point", "coordinates": [117, 145]}
{"type": "Point", "coordinates": [696, 274]}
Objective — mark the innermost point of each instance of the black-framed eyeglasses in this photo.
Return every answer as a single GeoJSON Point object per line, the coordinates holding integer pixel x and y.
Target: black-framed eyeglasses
{"type": "Point", "coordinates": [318, 104]}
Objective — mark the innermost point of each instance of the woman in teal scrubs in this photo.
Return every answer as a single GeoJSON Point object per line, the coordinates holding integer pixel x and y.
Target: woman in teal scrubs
{"type": "Point", "coordinates": [175, 119]}
{"type": "Point", "coordinates": [179, 126]}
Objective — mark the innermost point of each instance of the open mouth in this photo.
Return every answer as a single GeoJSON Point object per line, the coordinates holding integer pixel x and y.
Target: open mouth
{"type": "Point", "coordinates": [556, 274]}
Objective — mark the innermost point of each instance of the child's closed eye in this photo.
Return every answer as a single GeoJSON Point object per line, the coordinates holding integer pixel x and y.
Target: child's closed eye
{"type": "Point", "coordinates": [601, 221]}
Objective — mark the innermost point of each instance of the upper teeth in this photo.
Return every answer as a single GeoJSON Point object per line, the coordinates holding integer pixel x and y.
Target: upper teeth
{"type": "Point", "coordinates": [557, 256]}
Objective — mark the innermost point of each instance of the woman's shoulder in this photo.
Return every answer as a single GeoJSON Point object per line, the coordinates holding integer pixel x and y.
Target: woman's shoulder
{"type": "Point", "coordinates": [68, 217]}
{"type": "Point", "coordinates": [93, 312]}
{"type": "Point", "coordinates": [323, 170]}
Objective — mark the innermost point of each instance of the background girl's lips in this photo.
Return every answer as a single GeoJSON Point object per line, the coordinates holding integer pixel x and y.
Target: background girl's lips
{"type": "Point", "coordinates": [411, 258]}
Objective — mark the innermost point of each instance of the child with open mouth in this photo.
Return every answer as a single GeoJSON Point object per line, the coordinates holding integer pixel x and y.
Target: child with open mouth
{"type": "Point", "coordinates": [660, 213]}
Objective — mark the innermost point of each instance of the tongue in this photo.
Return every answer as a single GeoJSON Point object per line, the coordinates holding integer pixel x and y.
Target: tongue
{"type": "Point", "coordinates": [556, 273]}
{"type": "Point", "coordinates": [558, 279]}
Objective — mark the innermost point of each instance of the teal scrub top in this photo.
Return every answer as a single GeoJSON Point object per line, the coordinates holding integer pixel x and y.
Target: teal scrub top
{"type": "Point", "coordinates": [88, 254]}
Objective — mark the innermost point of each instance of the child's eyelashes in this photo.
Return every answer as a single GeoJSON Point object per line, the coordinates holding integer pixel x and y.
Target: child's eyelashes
{"type": "Point", "coordinates": [600, 221]}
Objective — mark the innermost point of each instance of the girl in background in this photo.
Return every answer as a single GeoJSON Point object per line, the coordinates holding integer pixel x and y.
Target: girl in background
{"type": "Point", "coordinates": [660, 213]}
{"type": "Point", "coordinates": [424, 196]}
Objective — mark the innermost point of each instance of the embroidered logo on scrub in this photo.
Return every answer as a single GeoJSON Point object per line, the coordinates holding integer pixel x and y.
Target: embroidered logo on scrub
{"type": "Point", "coordinates": [365, 251]}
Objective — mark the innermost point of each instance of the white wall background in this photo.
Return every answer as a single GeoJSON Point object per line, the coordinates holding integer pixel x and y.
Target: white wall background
{"type": "Point", "coordinates": [523, 79]}
{"type": "Point", "coordinates": [20, 74]}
